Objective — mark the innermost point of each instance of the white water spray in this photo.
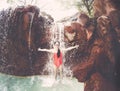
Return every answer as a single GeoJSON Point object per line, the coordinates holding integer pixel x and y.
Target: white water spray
{"type": "Point", "coordinates": [57, 35]}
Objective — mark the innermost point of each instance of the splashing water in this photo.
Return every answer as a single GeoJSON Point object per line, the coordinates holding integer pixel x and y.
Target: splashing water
{"type": "Point", "coordinates": [58, 35]}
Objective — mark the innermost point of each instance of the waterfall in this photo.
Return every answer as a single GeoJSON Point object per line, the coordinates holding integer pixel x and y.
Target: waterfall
{"type": "Point", "coordinates": [31, 21]}
{"type": "Point", "coordinates": [57, 35]}
{"type": "Point", "coordinates": [29, 41]}
{"type": "Point", "coordinates": [29, 45]}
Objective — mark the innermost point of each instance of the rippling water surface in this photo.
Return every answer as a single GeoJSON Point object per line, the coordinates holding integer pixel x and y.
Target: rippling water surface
{"type": "Point", "coordinates": [38, 83]}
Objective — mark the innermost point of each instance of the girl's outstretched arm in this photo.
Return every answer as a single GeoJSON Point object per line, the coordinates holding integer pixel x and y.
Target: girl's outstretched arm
{"type": "Point", "coordinates": [70, 48]}
{"type": "Point", "coordinates": [46, 50]}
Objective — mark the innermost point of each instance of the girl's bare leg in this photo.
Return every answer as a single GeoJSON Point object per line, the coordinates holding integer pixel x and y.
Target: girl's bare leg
{"type": "Point", "coordinates": [55, 72]}
{"type": "Point", "coordinates": [61, 72]}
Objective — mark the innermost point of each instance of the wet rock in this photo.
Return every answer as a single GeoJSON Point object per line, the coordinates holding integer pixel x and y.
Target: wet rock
{"type": "Point", "coordinates": [100, 70]}
{"type": "Point", "coordinates": [23, 31]}
{"type": "Point", "coordinates": [99, 67]}
{"type": "Point", "coordinates": [98, 83]}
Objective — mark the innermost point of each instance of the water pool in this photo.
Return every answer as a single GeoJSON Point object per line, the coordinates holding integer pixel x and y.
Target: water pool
{"type": "Point", "coordinates": [38, 83]}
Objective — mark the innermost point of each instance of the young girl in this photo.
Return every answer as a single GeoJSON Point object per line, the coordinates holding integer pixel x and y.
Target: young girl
{"type": "Point", "coordinates": [58, 56]}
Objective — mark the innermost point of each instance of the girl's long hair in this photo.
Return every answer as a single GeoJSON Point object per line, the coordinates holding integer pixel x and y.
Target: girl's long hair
{"type": "Point", "coordinates": [58, 53]}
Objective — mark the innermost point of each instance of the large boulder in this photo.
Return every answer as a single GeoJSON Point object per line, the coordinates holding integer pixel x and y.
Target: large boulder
{"type": "Point", "coordinates": [23, 31]}
{"type": "Point", "coordinates": [100, 68]}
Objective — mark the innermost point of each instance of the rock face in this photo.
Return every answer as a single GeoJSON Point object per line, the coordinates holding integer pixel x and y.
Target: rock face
{"type": "Point", "coordinates": [99, 69]}
{"type": "Point", "coordinates": [23, 31]}
{"type": "Point", "coordinates": [95, 62]}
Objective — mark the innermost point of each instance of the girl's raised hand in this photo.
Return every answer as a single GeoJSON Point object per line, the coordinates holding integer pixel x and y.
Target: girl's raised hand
{"type": "Point", "coordinates": [76, 46]}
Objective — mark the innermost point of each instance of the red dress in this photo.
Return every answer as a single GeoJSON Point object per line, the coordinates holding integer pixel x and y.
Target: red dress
{"type": "Point", "coordinates": [57, 61]}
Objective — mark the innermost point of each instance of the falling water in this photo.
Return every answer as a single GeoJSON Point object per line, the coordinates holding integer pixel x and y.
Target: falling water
{"type": "Point", "coordinates": [60, 31]}
{"type": "Point", "coordinates": [29, 46]}
{"type": "Point", "coordinates": [67, 80]}
{"type": "Point", "coordinates": [58, 35]}
{"type": "Point", "coordinates": [30, 30]}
